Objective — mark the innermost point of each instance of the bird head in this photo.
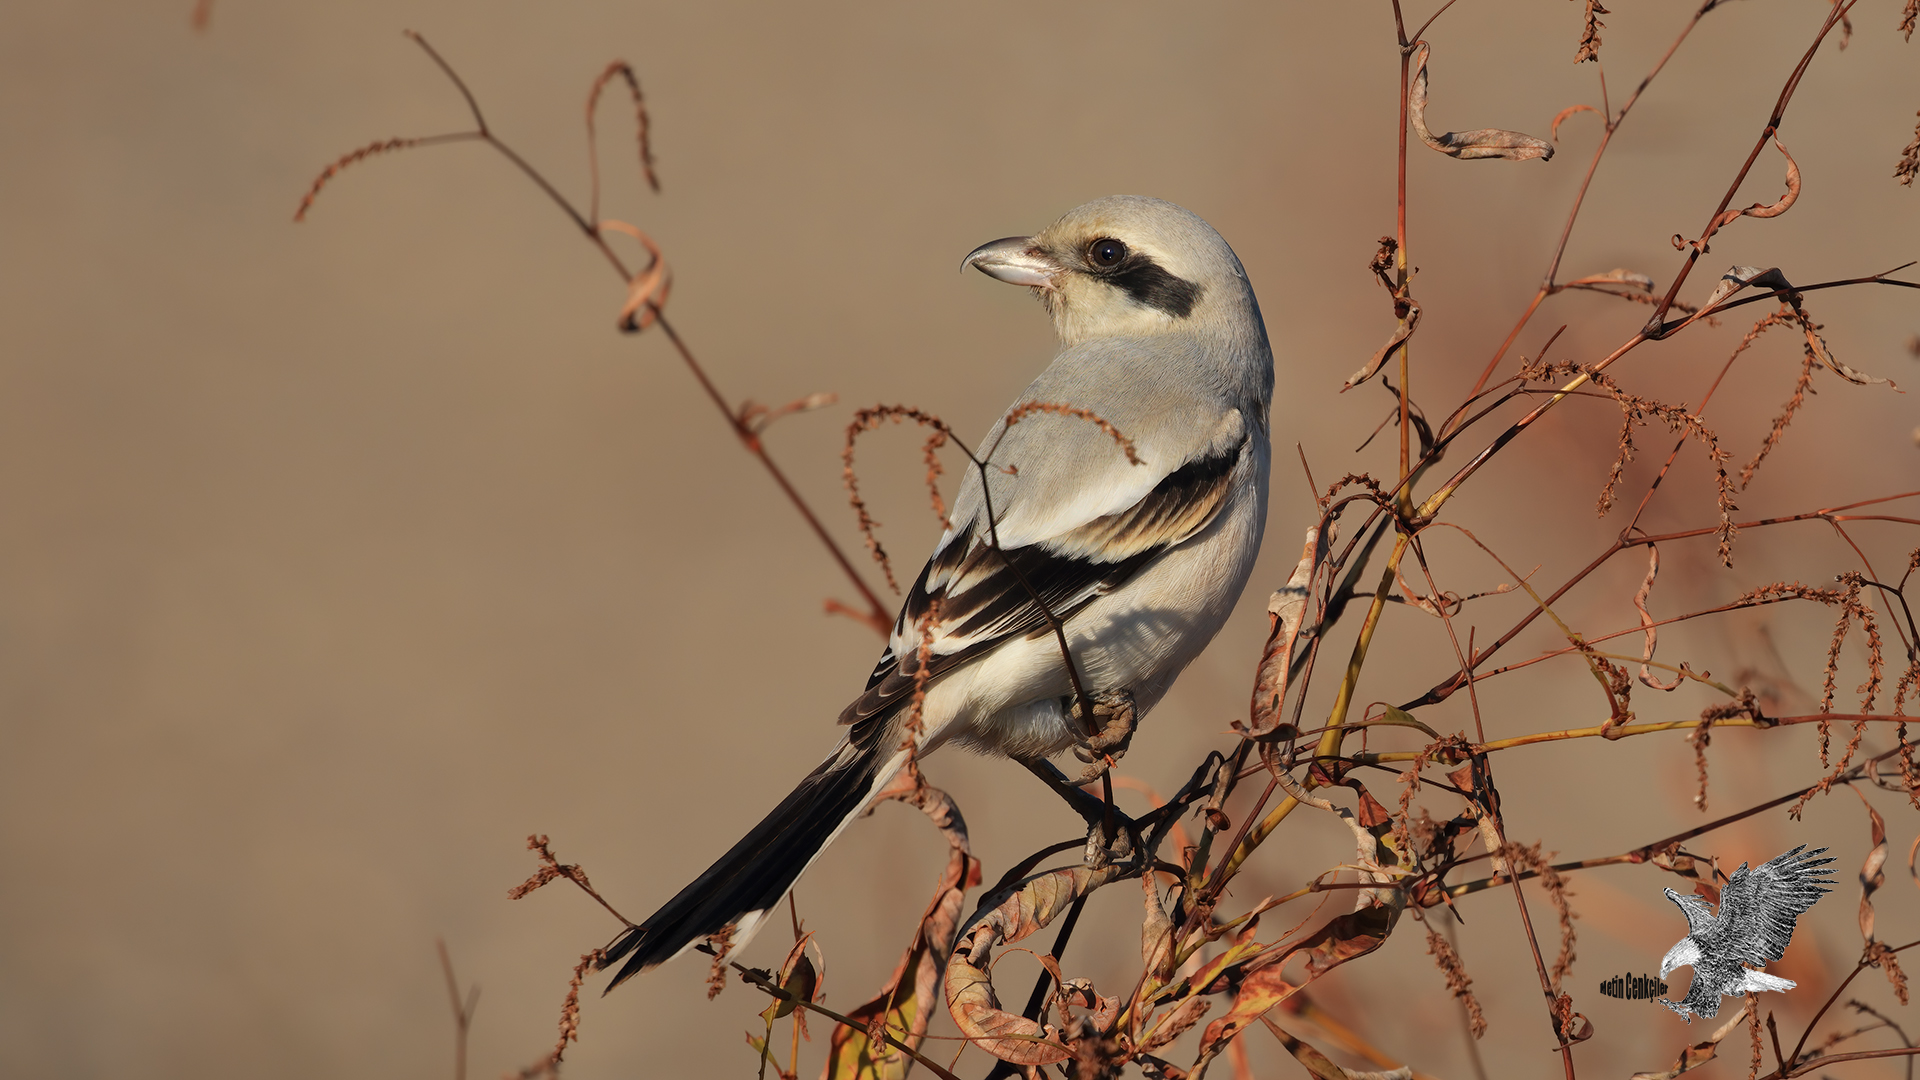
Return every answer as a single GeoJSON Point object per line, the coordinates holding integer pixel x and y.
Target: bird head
{"type": "Point", "coordinates": [1685, 953]}
{"type": "Point", "coordinates": [1127, 266]}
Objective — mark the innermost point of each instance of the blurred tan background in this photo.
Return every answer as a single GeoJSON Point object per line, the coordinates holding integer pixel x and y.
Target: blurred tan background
{"type": "Point", "coordinates": [337, 558]}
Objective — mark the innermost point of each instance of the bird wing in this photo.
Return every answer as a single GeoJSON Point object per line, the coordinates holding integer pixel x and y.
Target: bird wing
{"type": "Point", "coordinates": [1699, 913]}
{"type": "Point", "coordinates": [1061, 543]}
{"type": "Point", "coordinates": [1759, 907]}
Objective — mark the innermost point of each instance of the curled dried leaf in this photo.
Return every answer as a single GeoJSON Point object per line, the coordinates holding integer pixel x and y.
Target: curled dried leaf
{"type": "Point", "coordinates": [647, 291]}
{"type": "Point", "coordinates": [1772, 209]}
{"type": "Point", "coordinates": [756, 417]}
{"type": "Point", "coordinates": [1466, 145]}
{"type": "Point", "coordinates": [1647, 624]}
{"type": "Point", "coordinates": [977, 1012]}
{"type": "Point", "coordinates": [1286, 610]}
{"type": "Point", "coordinates": [799, 977]}
{"type": "Point", "coordinates": [1873, 873]}
{"type": "Point", "coordinates": [1156, 934]}
{"type": "Point", "coordinates": [1818, 352]}
{"type": "Point", "coordinates": [1021, 909]}
{"type": "Point", "coordinates": [1554, 133]}
{"type": "Point", "coordinates": [1400, 334]}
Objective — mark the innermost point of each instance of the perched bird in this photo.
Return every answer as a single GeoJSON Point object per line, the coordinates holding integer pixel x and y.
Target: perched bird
{"type": "Point", "coordinates": [1758, 909]}
{"type": "Point", "coordinates": [1140, 557]}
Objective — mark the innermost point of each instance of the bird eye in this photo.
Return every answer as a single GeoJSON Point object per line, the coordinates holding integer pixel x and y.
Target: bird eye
{"type": "Point", "coordinates": [1106, 252]}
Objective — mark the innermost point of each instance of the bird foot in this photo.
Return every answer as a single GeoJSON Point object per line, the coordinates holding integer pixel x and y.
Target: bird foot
{"type": "Point", "coordinates": [1102, 851]}
{"type": "Point", "coordinates": [1113, 712]}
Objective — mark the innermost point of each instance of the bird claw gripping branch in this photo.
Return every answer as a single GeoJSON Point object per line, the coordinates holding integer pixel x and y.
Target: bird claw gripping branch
{"type": "Point", "coordinates": [1113, 711]}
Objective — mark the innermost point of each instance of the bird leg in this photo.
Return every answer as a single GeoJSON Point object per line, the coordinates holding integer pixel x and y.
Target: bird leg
{"type": "Point", "coordinates": [1090, 809]}
{"type": "Point", "coordinates": [1097, 813]}
{"type": "Point", "coordinates": [1112, 716]}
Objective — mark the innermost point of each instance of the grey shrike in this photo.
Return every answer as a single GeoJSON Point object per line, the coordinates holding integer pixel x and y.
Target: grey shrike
{"type": "Point", "coordinates": [1161, 336]}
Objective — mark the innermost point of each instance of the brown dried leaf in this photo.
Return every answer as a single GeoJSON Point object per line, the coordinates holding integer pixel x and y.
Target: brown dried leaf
{"type": "Point", "coordinates": [1699, 1053]}
{"type": "Point", "coordinates": [977, 1012]}
{"type": "Point", "coordinates": [1347, 937]}
{"type": "Point", "coordinates": [1647, 624]}
{"type": "Point", "coordinates": [1873, 872]}
{"type": "Point", "coordinates": [1032, 904]}
{"type": "Point", "coordinates": [797, 977]}
{"type": "Point", "coordinates": [1176, 1023]}
{"type": "Point", "coordinates": [1156, 934]}
{"type": "Point", "coordinates": [1737, 278]}
{"type": "Point", "coordinates": [1026, 908]}
{"type": "Point", "coordinates": [647, 292]}
{"type": "Point", "coordinates": [1466, 145]}
{"type": "Point", "coordinates": [1243, 947]}
{"type": "Point", "coordinates": [1818, 351]}
{"type": "Point", "coordinates": [756, 417]}
{"type": "Point", "coordinates": [1767, 210]}
{"type": "Point", "coordinates": [1400, 334]}
{"type": "Point", "coordinates": [1286, 611]}
{"type": "Point", "coordinates": [1260, 992]}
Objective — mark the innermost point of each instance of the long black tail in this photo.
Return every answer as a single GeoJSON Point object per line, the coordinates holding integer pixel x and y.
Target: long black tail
{"type": "Point", "coordinates": [752, 876]}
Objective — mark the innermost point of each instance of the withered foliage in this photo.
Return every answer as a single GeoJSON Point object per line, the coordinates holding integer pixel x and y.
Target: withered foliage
{"type": "Point", "coordinates": [1057, 408]}
{"type": "Point", "coordinates": [1209, 972]}
{"type": "Point", "coordinates": [1467, 145]}
{"type": "Point", "coordinates": [870, 419]}
{"type": "Point", "coordinates": [1635, 411]}
{"type": "Point", "coordinates": [1529, 857]}
{"type": "Point", "coordinates": [1590, 33]}
{"type": "Point", "coordinates": [1459, 983]}
{"type": "Point", "coordinates": [340, 164]}
{"type": "Point", "coordinates": [569, 1020]}
{"type": "Point", "coordinates": [1801, 387]}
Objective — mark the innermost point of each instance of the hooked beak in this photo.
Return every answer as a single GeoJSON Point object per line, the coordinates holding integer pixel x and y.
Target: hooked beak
{"type": "Point", "coordinates": [1016, 260]}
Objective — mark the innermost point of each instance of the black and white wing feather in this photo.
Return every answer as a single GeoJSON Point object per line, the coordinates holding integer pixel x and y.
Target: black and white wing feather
{"type": "Point", "coordinates": [1699, 913]}
{"type": "Point", "coordinates": [985, 593]}
{"type": "Point", "coordinates": [1759, 907]}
